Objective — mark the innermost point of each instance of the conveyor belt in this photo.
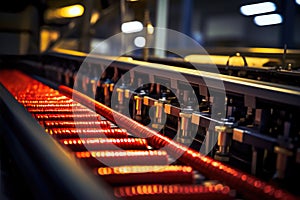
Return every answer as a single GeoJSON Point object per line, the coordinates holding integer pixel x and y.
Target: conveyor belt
{"type": "Point", "coordinates": [131, 158]}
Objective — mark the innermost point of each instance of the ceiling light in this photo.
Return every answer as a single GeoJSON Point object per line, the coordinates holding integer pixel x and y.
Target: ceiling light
{"type": "Point", "coordinates": [258, 8]}
{"type": "Point", "coordinates": [71, 11]}
{"type": "Point", "coordinates": [264, 20]}
{"type": "Point", "coordinates": [132, 27]}
{"type": "Point", "coordinates": [140, 41]}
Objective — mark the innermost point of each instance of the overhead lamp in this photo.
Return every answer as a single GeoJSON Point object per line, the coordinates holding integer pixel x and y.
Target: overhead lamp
{"type": "Point", "coordinates": [71, 11]}
{"type": "Point", "coordinates": [65, 12]}
{"type": "Point", "coordinates": [297, 2]}
{"type": "Point", "coordinates": [94, 17]}
{"type": "Point", "coordinates": [132, 27]}
{"type": "Point", "coordinates": [150, 29]}
{"type": "Point", "coordinates": [140, 42]}
{"type": "Point", "coordinates": [271, 19]}
{"type": "Point", "coordinates": [258, 8]}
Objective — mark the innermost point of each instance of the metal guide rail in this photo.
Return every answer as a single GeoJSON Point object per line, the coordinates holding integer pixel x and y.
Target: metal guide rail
{"type": "Point", "coordinates": [80, 133]}
{"type": "Point", "coordinates": [281, 66]}
{"type": "Point", "coordinates": [61, 60]}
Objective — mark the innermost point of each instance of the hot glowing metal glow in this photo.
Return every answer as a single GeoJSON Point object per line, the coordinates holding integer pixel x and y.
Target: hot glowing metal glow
{"type": "Point", "coordinates": [143, 169]}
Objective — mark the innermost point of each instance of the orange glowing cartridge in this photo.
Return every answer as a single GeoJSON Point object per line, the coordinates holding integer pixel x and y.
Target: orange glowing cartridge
{"type": "Point", "coordinates": [68, 117]}
{"type": "Point", "coordinates": [46, 101]}
{"type": "Point", "coordinates": [55, 105]}
{"type": "Point", "coordinates": [83, 144]}
{"type": "Point", "coordinates": [59, 110]}
{"type": "Point", "coordinates": [152, 174]}
{"type": "Point", "coordinates": [123, 157]}
{"type": "Point", "coordinates": [173, 192]}
{"type": "Point", "coordinates": [87, 133]}
{"type": "Point", "coordinates": [77, 124]}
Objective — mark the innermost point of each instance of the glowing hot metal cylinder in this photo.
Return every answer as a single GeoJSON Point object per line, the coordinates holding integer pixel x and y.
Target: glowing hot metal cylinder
{"type": "Point", "coordinates": [77, 124]}
{"type": "Point", "coordinates": [173, 192]}
{"type": "Point", "coordinates": [105, 144]}
{"type": "Point", "coordinates": [133, 175]}
{"type": "Point", "coordinates": [119, 157]}
{"type": "Point", "coordinates": [87, 133]}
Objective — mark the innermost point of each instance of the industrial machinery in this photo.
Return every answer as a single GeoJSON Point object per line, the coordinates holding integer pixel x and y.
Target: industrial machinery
{"type": "Point", "coordinates": [89, 118]}
{"type": "Point", "coordinates": [163, 119]}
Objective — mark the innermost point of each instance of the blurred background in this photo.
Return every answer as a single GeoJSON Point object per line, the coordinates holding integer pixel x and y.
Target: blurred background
{"type": "Point", "coordinates": [35, 26]}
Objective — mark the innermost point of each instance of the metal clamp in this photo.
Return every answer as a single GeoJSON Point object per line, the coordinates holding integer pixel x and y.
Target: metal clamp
{"type": "Point", "coordinates": [224, 140]}
{"type": "Point", "coordinates": [185, 122]}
